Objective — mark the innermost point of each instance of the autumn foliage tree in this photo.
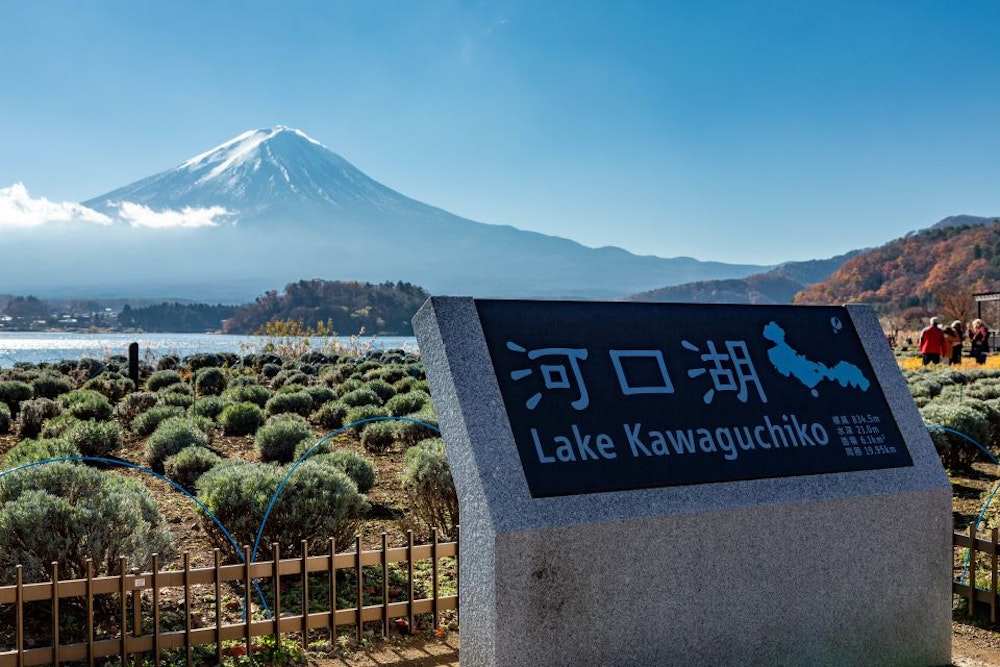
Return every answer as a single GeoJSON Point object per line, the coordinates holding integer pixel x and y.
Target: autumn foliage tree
{"type": "Point", "coordinates": [935, 271]}
{"type": "Point", "coordinates": [346, 307]}
{"type": "Point", "coordinates": [955, 302]}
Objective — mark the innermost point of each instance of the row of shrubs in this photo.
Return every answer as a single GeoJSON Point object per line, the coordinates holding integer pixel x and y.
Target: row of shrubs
{"type": "Point", "coordinates": [959, 405]}
{"type": "Point", "coordinates": [239, 402]}
{"type": "Point", "coordinates": [91, 409]}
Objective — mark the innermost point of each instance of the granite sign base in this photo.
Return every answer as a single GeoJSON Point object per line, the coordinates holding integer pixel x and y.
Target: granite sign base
{"type": "Point", "coordinates": [846, 568]}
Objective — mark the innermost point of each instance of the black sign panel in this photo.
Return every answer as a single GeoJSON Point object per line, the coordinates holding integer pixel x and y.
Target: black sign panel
{"type": "Point", "coordinates": [618, 396]}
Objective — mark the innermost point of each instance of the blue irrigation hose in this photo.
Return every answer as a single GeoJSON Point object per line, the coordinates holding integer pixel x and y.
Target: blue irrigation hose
{"type": "Point", "coordinates": [993, 459]}
{"type": "Point", "coordinates": [178, 487]}
{"type": "Point", "coordinates": [989, 499]}
{"type": "Point", "coordinates": [308, 452]}
{"type": "Point", "coordinates": [935, 427]}
{"type": "Point", "coordinates": [979, 519]}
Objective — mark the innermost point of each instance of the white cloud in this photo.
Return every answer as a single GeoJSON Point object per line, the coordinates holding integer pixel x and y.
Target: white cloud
{"type": "Point", "coordinates": [138, 215]}
{"type": "Point", "coordinates": [18, 209]}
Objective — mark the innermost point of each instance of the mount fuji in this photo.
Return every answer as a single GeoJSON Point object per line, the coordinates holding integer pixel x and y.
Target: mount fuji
{"type": "Point", "coordinates": [275, 206]}
{"type": "Point", "coordinates": [262, 173]}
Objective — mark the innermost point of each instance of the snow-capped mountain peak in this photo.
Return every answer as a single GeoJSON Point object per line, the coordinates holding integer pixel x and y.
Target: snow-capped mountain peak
{"type": "Point", "coordinates": [258, 171]}
{"type": "Point", "coordinates": [273, 205]}
{"type": "Point", "coordinates": [240, 149]}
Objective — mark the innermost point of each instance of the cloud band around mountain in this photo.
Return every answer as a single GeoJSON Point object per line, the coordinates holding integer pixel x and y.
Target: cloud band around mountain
{"type": "Point", "coordinates": [138, 215]}
{"type": "Point", "coordinates": [19, 210]}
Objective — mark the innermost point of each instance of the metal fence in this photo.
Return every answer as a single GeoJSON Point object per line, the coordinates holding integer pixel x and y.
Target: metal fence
{"type": "Point", "coordinates": [289, 587]}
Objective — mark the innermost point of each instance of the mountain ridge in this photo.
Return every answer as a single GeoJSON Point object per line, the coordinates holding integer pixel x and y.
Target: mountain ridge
{"type": "Point", "coordinates": [940, 266]}
{"type": "Point", "coordinates": [275, 206]}
{"type": "Point", "coordinates": [776, 286]}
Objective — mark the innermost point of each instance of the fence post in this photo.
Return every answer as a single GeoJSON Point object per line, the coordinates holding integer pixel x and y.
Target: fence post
{"type": "Point", "coordinates": [218, 604]}
{"type": "Point", "coordinates": [136, 614]}
{"type": "Point", "coordinates": [276, 583]}
{"type": "Point", "coordinates": [361, 591]}
{"type": "Point", "coordinates": [409, 577]}
{"type": "Point", "coordinates": [333, 592]}
{"type": "Point", "coordinates": [305, 594]}
{"type": "Point", "coordinates": [385, 585]}
{"type": "Point", "coordinates": [247, 615]}
{"type": "Point", "coordinates": [90, 612]}
{"type": "Point", "coordinates": [434, 574]}
{"type": "Point", "coordinates": [133, 363]}
{"type": "Point", "coordinates": [19, 613]}
{"type": "Point", "coordinates": [187, 609]}
{"type": "Point", "coordinates": [123, 598]}
{"type": "Point", "coordinates": [972, 568]}
{"type": "Point", "coordinates": [55, 613]}
{"type": "Point", "coordinates": [156, 609]}
{"type": "Point", "coordinates": [993, 576]}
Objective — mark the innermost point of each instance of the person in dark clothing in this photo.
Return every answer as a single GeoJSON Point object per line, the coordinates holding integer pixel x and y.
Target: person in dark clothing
{"type": "Point", "coordinates": [956, 345]}
{"type": "Point", "coordinates": [979, 338]}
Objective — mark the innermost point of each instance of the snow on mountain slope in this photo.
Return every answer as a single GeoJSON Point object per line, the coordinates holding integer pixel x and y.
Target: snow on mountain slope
{"type": "Point", "coordinates": [274, 205]}
{"type": "Point", "coordinates": [257, 170]}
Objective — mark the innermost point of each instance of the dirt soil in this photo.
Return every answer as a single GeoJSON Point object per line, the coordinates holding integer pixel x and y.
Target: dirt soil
{"type": "Point", "coordinates": [411, 652]}
{"type": "Point", "coordinates": [971, 646]}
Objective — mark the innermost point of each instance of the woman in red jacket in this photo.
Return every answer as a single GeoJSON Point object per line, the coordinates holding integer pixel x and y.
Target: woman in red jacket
{"type": "Point", "coordinates": [931, 343]}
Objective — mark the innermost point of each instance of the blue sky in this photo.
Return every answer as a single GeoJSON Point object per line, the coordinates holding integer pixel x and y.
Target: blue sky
{"type": "Point", "coordinates": [754, 132]}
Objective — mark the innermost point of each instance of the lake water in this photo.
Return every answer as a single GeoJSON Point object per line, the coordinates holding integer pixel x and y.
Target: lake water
{"type": "Point", "coordinates": [34, 347]}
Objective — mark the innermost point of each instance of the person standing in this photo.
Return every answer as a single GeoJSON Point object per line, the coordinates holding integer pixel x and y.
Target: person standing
{"type": "Point", "coordinates": [956, 346]}
{"type": "Point", "coordinates": [979, 341]}
{"type": "Point", "coordinates": [950, 339]}
{"type": "Point", "coordinates": [931, 343]}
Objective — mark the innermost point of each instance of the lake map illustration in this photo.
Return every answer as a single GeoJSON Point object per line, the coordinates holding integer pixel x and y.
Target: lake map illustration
{"type": "Point", "coordinates": [790, 363]}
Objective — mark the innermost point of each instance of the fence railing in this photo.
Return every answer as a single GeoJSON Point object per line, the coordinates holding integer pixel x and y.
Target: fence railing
{"type": "Point", "coordinates": [976, 570]}
{"type": "Point", "coordinates": [139, 627]}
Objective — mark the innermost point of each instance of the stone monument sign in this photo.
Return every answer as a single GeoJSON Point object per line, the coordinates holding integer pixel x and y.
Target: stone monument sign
{"type": "Point", "coordinates": [675, 484]}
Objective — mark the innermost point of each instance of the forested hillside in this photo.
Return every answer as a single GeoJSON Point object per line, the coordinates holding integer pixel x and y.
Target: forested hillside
{"type": "Point", "coordinates": [349, 306]}
{"type": "Point", "coordinates": [760, 288]}
{"type": "Point", "coordinates": [175, 317]}
{"type": "Point", "coordinates": [932, 271]}
{"type": "Point", "coordinates": [779, 285]}
{"type": "Point", "coordinates": [935, 271]}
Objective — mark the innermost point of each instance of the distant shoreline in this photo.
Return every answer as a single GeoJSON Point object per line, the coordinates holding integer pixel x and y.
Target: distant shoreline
{"type": "Point", "coordinates": [58, 346]}
{"type": "Point", "coordinates": [109, 330]}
